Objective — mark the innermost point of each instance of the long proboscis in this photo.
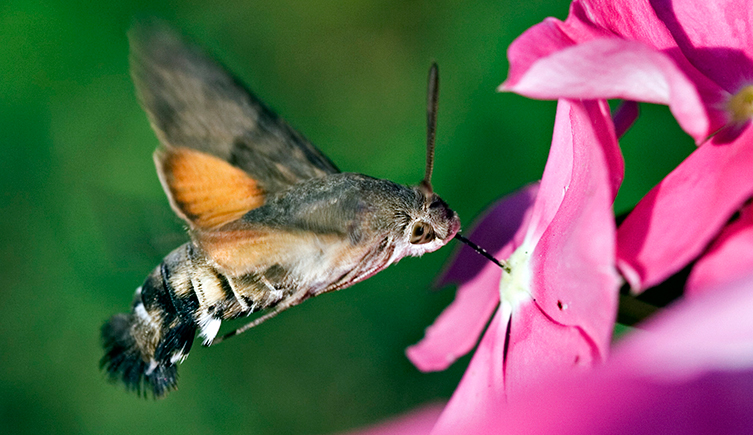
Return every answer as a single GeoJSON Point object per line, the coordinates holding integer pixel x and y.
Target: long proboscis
{"type": "Point", "coordinates": [501, 263]}
{"type": "Point", "coordinates": [432, 99]}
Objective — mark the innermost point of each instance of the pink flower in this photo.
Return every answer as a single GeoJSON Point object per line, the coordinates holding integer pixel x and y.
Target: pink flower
{"type": "Point", "coordinates": [555, 310]}
{"type": "Point", "coordinates": [687, 371]}
{"type": "Point", "coordinates": [694, 57]}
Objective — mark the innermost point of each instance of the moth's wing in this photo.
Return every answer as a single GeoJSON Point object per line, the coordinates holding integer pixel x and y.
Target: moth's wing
{"type": "Point", "coordinates": [310, 227]}
{"type": "Point", "coordinates": [193, 102]}
{"type": "Point", "coordinates": [331, 258]}
{"type": "Point", "coordinates": [254, 248]}
{"type": "Point", "coordinates": [205, 191]}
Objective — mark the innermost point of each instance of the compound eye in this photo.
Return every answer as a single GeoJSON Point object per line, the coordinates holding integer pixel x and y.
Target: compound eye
{"type": "Point", "coordinates": [422, 233]}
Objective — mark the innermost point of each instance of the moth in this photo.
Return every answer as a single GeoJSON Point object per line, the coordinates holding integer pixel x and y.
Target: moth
{"type": "Point", "coordinates": [272, 221]}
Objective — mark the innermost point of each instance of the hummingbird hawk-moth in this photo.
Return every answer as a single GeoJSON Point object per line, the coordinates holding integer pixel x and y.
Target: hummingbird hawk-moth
{"type": "Point", "coordinates": [272, 221]}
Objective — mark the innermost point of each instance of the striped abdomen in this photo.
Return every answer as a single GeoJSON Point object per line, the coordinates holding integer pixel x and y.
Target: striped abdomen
{"type": "Point", "coordinates": [183, 294]}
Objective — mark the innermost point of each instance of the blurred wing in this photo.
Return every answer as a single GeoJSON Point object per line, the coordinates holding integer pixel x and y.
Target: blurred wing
{"type": "Point", "coordinates": [242, 248]}
{"type": "Point", "coordinates": [308, 230]}
{"type": "Point", "coordinates": [328, 262]}
{"type": "Point", "coordinates": [194, 102]}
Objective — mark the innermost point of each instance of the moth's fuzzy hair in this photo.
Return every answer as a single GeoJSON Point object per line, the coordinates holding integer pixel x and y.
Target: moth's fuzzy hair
{"type": "Point", "coordinates": [128, 358]}
{"type": "Point", "coordinates": [123, 360]}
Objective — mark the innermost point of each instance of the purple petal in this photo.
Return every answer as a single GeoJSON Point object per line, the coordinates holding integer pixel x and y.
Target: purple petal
{"type": "Point", "coordinates": [624, 117]}
{"type": "Point", "coordinates": [458, 328]}
{"type": "Point", "coordinates": [495, 230]}
{"type": "Point", "coordinates": [729, 257]}
{"type": "Point", "coordinates": [575, 280]}
{"type": "Point", "coordinates": [678, 218]}
{"type": "Point", "coordinates": [614, 402]}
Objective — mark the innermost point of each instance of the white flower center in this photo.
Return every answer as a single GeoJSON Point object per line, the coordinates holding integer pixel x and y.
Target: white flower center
{"type": "Point", "coordinates": [740, 105]}
{"type": "Point", "coordinates": [515, 287]}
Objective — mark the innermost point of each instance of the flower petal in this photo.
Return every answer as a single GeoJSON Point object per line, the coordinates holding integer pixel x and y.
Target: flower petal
{"type": "Point", "coordinates": [480, 394]}
{"type": "Point", "coordinates": [458, 328]}
{"type": "Point", "coordinates": [689, 371]}
{"type": "Point", "coordinates": [540, 349]}
{"type": "Point", "coordinates": [713, 331]}
{"type": "Point", "coordinates": [574, 276]}
{"type": "Point", "coordinates": [678, 218]}
{"type": "Point", "coordinates": [663, 76]}
{"type": "Point", "coordinates": [615, 68]}
{"type": "Point", "coordinates": [728, 258]}
{"type": "Point", "coordinates": [715, 36]}
{"type": "Point", "coordinates": [580, 129]}
{"type": "Point", "coordinates": [624, 117]}
{"type": "Point", "coordinates": [575, 252]}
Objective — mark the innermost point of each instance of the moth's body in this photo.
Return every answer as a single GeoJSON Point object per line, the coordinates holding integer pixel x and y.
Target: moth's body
{"type": "Point", "coordinates": [272, 221]}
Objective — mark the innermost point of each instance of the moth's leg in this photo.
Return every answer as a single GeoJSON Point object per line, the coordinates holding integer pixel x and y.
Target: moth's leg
{"type": "Point", "coordinates": [293, 300]}
{"type": "Point", "coordinates": [272, 290]}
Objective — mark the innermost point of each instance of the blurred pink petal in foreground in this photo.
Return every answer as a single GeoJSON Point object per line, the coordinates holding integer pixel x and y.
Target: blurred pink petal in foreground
{"type": "Point", "coordinates": [696, 57]}
{"type": "Point", "coordinates": [557, 306]}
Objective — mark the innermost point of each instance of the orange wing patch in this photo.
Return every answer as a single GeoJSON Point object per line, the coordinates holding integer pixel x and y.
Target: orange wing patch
{"type": "Point", "coordinates": [204, 190]}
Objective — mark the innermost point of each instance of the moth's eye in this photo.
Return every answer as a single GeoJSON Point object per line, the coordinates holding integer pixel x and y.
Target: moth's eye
{"type": "Point", "coordinates": [422, 233]}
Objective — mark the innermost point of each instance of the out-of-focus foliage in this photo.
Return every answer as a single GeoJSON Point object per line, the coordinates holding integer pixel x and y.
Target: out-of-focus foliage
{"type": "Point", "coordinates": [84, 219]}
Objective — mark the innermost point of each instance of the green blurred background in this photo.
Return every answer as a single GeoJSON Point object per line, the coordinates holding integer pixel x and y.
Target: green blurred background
{"type": "Point", "coordinates": [84, 218]}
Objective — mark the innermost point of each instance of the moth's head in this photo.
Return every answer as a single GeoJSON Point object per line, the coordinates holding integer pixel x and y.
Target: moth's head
{"type": "Point", "coordinates": [432, 224]}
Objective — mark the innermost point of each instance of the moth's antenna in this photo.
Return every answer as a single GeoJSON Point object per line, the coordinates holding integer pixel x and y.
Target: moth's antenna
{"type": "Point", "coordinates": [483, 252]}
{"type": "Point", "coordinates": [432, 99]}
